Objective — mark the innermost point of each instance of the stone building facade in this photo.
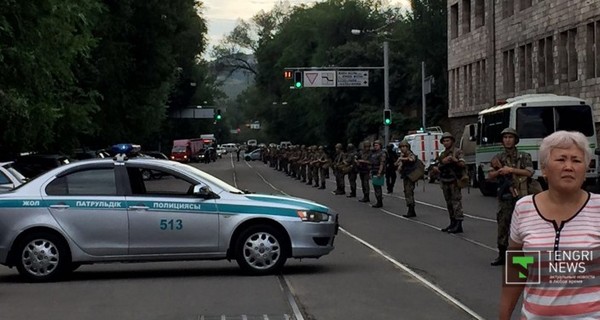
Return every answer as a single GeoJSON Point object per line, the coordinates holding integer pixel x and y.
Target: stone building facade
{"type": "Point", "coordinates": [499, 49]}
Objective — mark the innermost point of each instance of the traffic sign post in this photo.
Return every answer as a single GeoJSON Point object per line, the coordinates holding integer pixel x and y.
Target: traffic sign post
{"type": "Point", "coordinates": [319, 78]}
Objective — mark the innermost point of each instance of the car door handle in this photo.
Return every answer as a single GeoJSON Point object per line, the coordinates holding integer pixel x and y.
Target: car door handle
{"type": "Point", "coordinates": [60, 206]}
{"type": "Point", "coordinates": [139, 207]}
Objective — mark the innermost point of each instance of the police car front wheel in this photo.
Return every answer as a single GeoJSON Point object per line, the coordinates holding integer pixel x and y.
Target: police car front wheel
{"type": "Point", "coordinates": [261, 250]}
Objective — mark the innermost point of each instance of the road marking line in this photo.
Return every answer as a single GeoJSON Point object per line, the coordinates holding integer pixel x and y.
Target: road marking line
{"type": "Point", "coordinates": [438, 228]}
{"type": "Point", "coordinates": [287, 289]}
{"type": "Point", "coordinates": [430, 205]}
{"type": "Point", "coordinates": [415, 275]}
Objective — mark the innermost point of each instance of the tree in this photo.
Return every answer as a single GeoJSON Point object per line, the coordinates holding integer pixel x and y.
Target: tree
{"type": "Point", "coordinates": [44, 44]}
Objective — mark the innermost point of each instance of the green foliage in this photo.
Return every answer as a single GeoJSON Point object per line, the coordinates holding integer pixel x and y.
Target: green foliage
{"type": "Point", "coordinates": [96, 72]}
{"type": "Point", "coordinates": [319, 36]}
{"type": "Point", "coordinates": [43, 43]}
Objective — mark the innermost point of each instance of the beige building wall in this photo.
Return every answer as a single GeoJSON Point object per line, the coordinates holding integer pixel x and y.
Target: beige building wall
{"type": "Point", "coordinates": [499, 49]}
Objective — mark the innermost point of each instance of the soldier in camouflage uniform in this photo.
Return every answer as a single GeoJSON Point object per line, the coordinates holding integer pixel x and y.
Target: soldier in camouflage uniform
{"type": "Point", "coordinates": [309, 166]}
{"type": "Point", "coordinates": [316, 165]}
{"type": "Point", "coordinates": [362, 164]}
{"type": "Point", "coordinates": [377, 163]}
{"type": "Point", "coordinates": [448, 165]}
{"type": "Point", "coordinates": [349, 165]}
{"type": "Point", "coordinates": [511, 169]}
{"type": "Point", "coordinates": [302, 163]}
{"type": "Point", "coordinates": [324, 164]}
{"type": "Point", "coordinates": [338, 167]}
{"type": "Point", "coordinates": [407, 161]}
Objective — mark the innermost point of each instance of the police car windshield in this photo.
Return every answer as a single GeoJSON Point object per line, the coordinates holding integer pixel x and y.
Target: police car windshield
{"type": "Point", "coordinates": [220, 183]}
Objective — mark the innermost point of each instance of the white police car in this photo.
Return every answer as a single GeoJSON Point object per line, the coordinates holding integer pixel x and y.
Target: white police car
{"type": "Point", "coordinates": [103, 210]}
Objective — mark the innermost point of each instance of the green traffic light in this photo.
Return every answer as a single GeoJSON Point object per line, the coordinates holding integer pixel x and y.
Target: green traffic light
{"type": "Point", "coordinates": [218, 117]}
{"type": "Point", "coordinates": [298, 85]}
{"type": "Point", "coordinates": [388, 121]}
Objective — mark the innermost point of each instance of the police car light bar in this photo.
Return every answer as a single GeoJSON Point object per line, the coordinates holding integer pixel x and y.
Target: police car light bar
{"type": "Point", "coordinates": [125, 148]}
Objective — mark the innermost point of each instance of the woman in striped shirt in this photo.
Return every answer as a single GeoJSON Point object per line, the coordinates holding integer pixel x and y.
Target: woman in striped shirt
{"type": "Point", "coordinates": [563, 224]}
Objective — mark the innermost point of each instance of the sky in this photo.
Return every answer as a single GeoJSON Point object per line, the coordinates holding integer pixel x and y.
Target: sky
{"type": "Point", "coordinates": [222, 15]}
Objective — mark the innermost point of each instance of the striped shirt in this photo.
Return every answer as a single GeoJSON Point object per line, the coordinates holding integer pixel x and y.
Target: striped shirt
{"type": "Point", "coordinates": [556, 243]}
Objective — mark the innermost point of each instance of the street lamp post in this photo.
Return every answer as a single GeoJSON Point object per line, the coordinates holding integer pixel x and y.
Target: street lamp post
{"type": "Point", "coordinates": [386, 82]}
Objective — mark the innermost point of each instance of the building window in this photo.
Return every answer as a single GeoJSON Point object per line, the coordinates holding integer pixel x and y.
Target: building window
{"type": "Point", "coordinates": [479, 13]}
{"type": "Point", "coordinates": [591, 64]}
{"type": "Point", "coordinates": [478, 81]}
{"type": "Point", "coordinates": [454, 21]}
{"type": "Point", "coordinates": [541, 51]}
{"type": "Point", "coordinates": [509, 70]}
{"type": "Point", "coordinates": [471, 79]}
{"type": "Point", "coordinates": [572, 53]}
{"type": "Point", "coordinates": [525, 4]}
{"type": "Point", "coordinates": [457, 87]}
{"type": "Point", "coordinates": [508, 8]}
{"type": "Point", "coordinates": [525, 67]}
{"type": "Point", "coordinates": [466, 79]}
{"type": "Point", "coordinates": [567, 56]}
{"type": "Point", "coordinates": [549, 46]}
{"type": "Point", "coordinates": [466, 16]}
{"type": "Point", "coordinates": [483, 82]}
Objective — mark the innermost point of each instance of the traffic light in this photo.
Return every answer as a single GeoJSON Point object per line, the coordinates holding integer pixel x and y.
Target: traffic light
{"type": "Point", "coordinates": [298, 79]}
{"type": "Point", "coordinates": [287, 74]}
{"type": "Point", "coordinates": [387, 117]}
{"type": "Point", "coordinates": [218, 115]}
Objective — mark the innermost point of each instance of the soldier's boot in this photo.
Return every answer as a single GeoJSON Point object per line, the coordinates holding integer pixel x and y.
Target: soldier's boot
{"type": "Point", "coordinates": [352, 194]}
{"type": "Point", "coordinates": [379, 203]}
{"type": "Point", "coordinates": [309, 182]}
{"type": "Point", "coordinates": [457, 227]}
{"type": "Point", "coordinates": [365, 198]}
{"type": "Point", "coordinates": [411, 211]}
{"type": "Point", "coordinates": [322, 185]}
{"type": "Point", "coordinates": [450, 226]}
{"type": "Point", "coordinates": [501, 255]}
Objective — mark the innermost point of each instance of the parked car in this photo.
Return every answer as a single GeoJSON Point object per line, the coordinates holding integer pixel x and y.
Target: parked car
{"type": "Point", "coordinates": [156, 155]}
{"type": "Point", "coordinates": [10, 177]}
{"type": "Point", "coordinates": [230, 147]}
{"type": "Point", "coordinates": [90, 154]}
{"type": "Point", "coordinates": [221, 151]}
{"type": "Point", "coordinates": [254, 155]}
{"type": "Point", "coordinates": [102, 210]}
{"type": "Point", "coordinates": [35, 164]}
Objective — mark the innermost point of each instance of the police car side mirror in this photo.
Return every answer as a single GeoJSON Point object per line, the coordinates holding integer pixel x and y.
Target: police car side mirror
{"type": "Point", "coordinates": [203, 191]}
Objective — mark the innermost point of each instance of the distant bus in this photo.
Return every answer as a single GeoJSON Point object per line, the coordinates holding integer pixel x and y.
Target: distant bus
{"type": "Point", "coordinates": [534, 116]}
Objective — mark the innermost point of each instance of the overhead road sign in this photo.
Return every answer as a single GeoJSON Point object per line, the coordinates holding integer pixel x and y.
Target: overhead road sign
{"type": "Point", "coordinates": [320, 78]}
{"type": "Point", "coordinates": [194, 113]}
{"type": "Point", "coordinates": [352, 78]}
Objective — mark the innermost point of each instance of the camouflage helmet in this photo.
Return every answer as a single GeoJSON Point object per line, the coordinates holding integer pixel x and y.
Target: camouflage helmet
{"type": "Point", "coordinates": [377, 142]}
{"type": "Point", "coordinates": [510, 131]}
{"type": "Point", "coordinates": [447, 135]}
{"type": "Point", "coordinates": [350, 147]}
{"type": "Point", "coordinates": [403, 143]}
{"type": "Point", "coordinates": [338, 146]}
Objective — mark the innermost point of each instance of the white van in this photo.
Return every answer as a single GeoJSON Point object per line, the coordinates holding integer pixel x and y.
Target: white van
{"type": "Point", "coordinates": [230, 147]}
{"type": "Point", "coordinates": [284, 144]}
{"type": "Point", "coordinates": [534, 116]}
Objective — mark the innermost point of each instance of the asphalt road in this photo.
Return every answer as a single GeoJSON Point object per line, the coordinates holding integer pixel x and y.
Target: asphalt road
{"type": "Point", "coordinates": [384, 267]}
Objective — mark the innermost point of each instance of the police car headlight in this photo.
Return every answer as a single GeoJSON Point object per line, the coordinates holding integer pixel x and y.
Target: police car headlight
{"type": "Point", "coordinates": [312, 216]}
